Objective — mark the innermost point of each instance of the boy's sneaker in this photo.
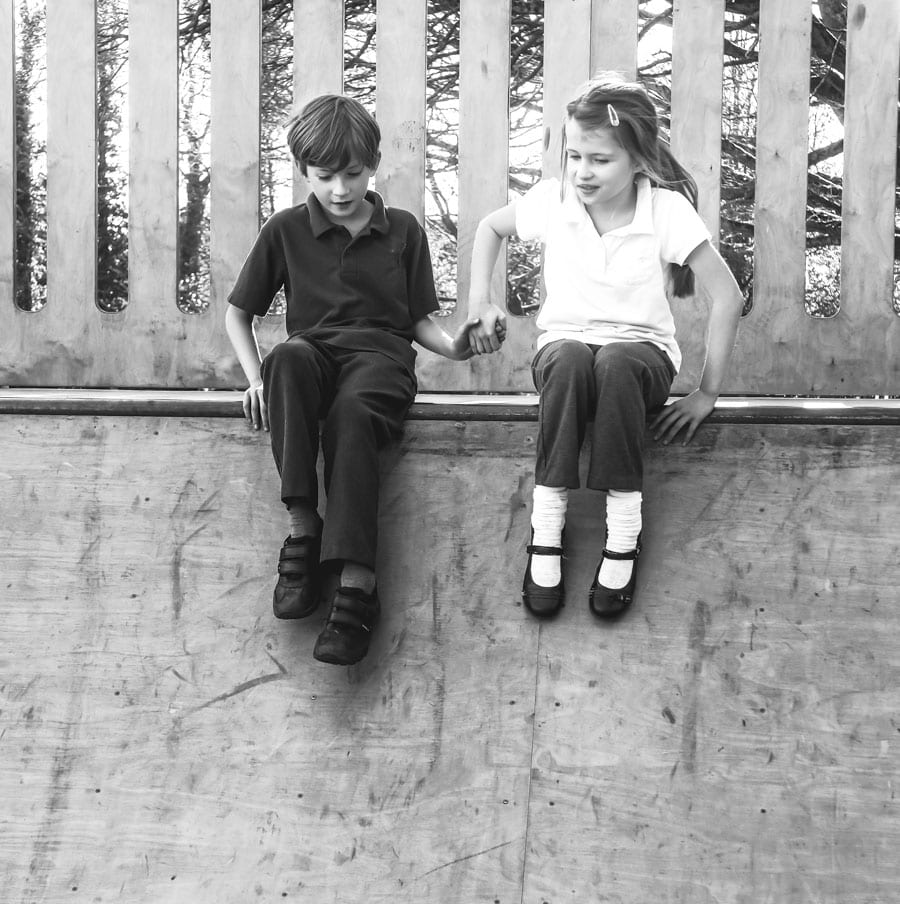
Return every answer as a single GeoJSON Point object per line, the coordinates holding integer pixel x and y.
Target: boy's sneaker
{"type": "Point", "coordinates": [345, 638]}
{"type": "Point", "coordinates": [297, 591]}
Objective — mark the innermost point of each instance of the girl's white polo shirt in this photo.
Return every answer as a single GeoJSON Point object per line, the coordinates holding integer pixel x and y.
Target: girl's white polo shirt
{"type": "Point", "coordinates": [609, 288]}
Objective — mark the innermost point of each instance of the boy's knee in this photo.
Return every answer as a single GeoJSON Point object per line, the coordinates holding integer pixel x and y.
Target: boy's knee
{"type": "Point", "coordinates": [294, 354]}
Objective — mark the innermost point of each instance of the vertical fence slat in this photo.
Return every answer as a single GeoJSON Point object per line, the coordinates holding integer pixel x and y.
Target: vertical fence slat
{"type": "Point", "coordinates": [153, 193]}
{"type": "Point", "coordinates": [71, 313]}
{"type": "Point", "coordinates": [318, 58]}
{"type": "Point", "coordinates": [696, 140]}
{"type": "Point", "coordinates": [697, 63]}
{"type": "Point", "coordinates": [782, 138]}
{"type": "Point", "coordinates": [400, 102]}
{"type": "Point", "coordinates": [234, 189]}
{"type": "Point", "coordinates": [567, 63]}
{"type": "Point", "coordinates": [614, 27]}
{"type": "Point", "coordinates": [870, 159]}
{"type": "Point", "coordinates": [7, 158]}
{"type": "Point", "coordinates": [318, 69]}
{"type": "Point", "coordinates": [483, 157]}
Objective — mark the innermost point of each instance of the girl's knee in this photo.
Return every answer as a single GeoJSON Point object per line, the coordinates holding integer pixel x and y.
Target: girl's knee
{"type": "Point", "coordinates": [618, 358]}
{"type": "Point", "coordinates": [564, 358]}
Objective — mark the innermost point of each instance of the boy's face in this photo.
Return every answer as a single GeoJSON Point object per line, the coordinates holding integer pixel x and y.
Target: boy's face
{"type": "Point", "coordinates": [341, 193]}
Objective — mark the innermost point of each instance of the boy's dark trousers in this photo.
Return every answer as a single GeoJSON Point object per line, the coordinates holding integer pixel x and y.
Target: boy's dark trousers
{"type": "Point", "coordinates": [615, 386]}
{"type": "Point", "coordinates": [361, 399]}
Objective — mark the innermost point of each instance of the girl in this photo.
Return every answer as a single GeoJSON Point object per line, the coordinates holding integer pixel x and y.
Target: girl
{"type": "Point", "coordinates": [619, 232]}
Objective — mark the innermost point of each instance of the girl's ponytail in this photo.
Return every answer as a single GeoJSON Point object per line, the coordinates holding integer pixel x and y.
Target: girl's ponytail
{"type": "Point", "coordinates": [674, 176]}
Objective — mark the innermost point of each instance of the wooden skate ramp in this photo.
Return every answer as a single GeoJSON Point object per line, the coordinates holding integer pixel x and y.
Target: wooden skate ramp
{"type": "Point", "coordinates": [734, 738]}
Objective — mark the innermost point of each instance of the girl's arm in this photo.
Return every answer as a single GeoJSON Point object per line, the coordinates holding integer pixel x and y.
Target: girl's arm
{"type": "Point", "coordinates": [241, 332]}
{"type": "Point", "coordinates": [727, 302]}
{"type": "Point", "coordinates": [429, 335]}
{"type": "Point", "coordinates": [495, 227]}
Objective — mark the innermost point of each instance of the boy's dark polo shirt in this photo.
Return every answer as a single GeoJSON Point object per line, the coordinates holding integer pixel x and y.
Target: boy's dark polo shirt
{"type": "Point", "coordinates": [363, 293]}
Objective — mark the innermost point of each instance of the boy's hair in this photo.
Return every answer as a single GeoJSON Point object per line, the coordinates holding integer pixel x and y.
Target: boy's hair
{"type": "Point", "coordinates": [331, 131]}
{"type": "Point", "coordinates": [609, 101]}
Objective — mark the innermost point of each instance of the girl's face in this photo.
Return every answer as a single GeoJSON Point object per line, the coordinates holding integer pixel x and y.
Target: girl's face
{"type": "Point", "coordinates": [599, 169]}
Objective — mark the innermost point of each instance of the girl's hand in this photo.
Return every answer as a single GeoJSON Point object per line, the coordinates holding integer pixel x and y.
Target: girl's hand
{"type": "Point", "coordinates": [490, 333]}
{"type": "Point", "coordinates": [255, 407]}
{"type": "Point", "coordinates": [688, 412]}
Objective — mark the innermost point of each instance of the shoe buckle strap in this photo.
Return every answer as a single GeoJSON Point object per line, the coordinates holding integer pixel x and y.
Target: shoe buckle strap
{"type": "Point", "coordinates": [543, 550]}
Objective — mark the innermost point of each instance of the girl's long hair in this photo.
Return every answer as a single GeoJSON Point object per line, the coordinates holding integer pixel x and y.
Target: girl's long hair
{"type": "Point", "coordinates": [609, 101]}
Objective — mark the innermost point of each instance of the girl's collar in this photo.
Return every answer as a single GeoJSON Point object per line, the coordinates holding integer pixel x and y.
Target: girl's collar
{"type": "Point", "coordinates": [574, 212]}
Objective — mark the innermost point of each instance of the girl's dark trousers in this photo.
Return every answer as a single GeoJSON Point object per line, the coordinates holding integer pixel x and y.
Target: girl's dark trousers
{"type": "Point", "coordinates": [361, 399]}
{"type": "Point", "coordinates": [614, 386]}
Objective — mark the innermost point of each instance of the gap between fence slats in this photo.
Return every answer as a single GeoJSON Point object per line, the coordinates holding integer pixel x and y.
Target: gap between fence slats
{"type": "Point", "coordinates": [7, 153]}
{"type": "Point", "coordinates": [782, 139]}
{"type": "Point", "coordinates": [614, 34]}
{"type": "Point", "coordinates": [869, 331]}
{"type": "Point", "coordinates": [152, 310]}
{"type": "Point", "coordinates": [400, 103]}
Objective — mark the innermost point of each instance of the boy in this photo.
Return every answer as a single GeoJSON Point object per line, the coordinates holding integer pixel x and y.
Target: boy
{"type": "Point", "coordinates": [359, 288]}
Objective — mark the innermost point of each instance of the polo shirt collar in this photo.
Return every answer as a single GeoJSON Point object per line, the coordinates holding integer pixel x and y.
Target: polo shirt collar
{"type": "Point", "coordinates": [320, 224]}
{"type": "Point", "coordinates": [574, 212]}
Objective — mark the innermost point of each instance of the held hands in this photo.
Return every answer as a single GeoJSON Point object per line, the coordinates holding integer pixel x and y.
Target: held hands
{"type": "Point", "coordinates": [688, 412]}
{"type": "Point", "coordinates": [488, 333]}
{"type": "Point", "coordinates": [255, 408]}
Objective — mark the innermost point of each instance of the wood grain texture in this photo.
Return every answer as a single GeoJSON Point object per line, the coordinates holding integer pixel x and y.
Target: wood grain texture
{"type": "Point", "coordinates": [696, 137]}
{"type": "Point", "coordinates": [614, 35]}
{"type": "Point", "coordinates": [234, 172]}
{"type": "Point", "coordinates": [696, 134]}
{"type": "Point", "coordinates": [153, 195]}
{"type": "Point", "coordinates": [71, 313]}
{"type": "Point", "coordinates": [318, 59]}
{"type": "Point", "coordinates": [779, 244]}
{"type": "Point", "coordinates": [567, 64]}
{"type": "Point", "coordinates": [483, 187]}
{"type": "Point", "coordinates": [869, 329]}
{"type": "Point", "coordinates": [400, 101]}
{"type": "Point", "coordinates": [7, 156]}
{"type": "Point", "coordinates": [733, 738]}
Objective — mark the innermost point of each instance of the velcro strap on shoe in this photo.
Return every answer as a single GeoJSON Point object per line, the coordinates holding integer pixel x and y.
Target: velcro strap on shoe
{"type": "Point", "coordinates": [298, 557]}
{"type": "Point", "coordinates": [543, 550]}
{"type": "Point", "coordinates": [353, 608]}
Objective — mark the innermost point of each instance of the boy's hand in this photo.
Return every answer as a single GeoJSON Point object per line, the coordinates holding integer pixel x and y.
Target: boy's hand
{"type": "Point", "coordinates": [255, 408]}
{"type": "Point", "coordinates": [489, 334]}
{"type": "Point", "coordinates": [688, 412]}
{"type": "Point", "coordinates": [459, 344]}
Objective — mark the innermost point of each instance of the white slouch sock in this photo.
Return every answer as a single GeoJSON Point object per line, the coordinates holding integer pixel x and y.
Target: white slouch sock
{"type": "Point", "coordinates": [623, 524]}
{"type": "Point", "coordinates": [548, 515]}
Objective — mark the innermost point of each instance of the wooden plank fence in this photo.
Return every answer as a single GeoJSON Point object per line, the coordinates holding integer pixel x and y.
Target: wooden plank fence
{"type": "Point", "coordinates": [70, 342]}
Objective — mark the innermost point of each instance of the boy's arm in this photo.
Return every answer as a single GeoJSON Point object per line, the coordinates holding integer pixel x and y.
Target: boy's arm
{"type": "Point", "coordinates": [241, 332]}
{"type": "Point", "coordinates": [727, 302]}
{"type": "Point", "coordinates": [429, 335]}
{"type": "Point", "coordinates": [495, 227]}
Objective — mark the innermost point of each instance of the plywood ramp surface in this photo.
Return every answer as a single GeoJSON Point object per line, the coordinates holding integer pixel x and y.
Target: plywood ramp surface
{"type": "Point", "coordinates": [164, 739]}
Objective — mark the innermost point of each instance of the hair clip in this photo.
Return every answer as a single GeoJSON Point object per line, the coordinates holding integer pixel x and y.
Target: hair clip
{"type": "Point", "coordinates": [613, 116]}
